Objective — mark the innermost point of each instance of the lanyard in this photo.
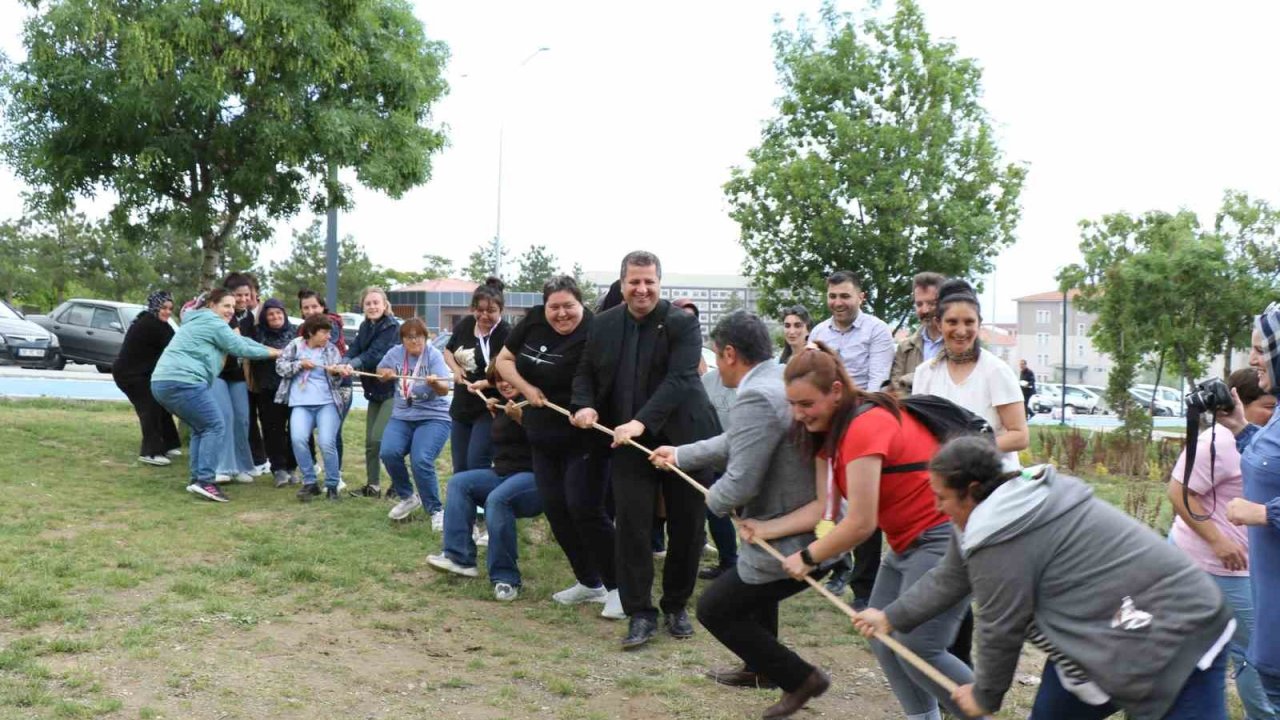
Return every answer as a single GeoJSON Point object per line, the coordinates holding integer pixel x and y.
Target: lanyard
{"type": "Point", "coordinates": [306, 353]}
{"type": "Point", "coordinates": [482, 341]}
{"type": "Point", "coordinates": [406, 385]}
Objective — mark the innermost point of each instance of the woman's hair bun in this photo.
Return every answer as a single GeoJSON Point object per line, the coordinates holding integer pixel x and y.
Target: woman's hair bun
{"type": "Point", "coordinates": [495, 283]}
{"type": "Point", "coordinates": [956, 286]}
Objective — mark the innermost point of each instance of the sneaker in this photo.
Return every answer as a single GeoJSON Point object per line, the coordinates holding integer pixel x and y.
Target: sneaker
{"type": "Point", "coordinates": [262, 469]}
{"type": "Point", "coordinates": [437, 521]}
{"type": "Point", "coordinates": [282, 478]}
{"type": "Point", "coordinates": [242, 478]}
{"type": "Point", "coordinates": [342, 487]}
{"type": "Point", "coordinates": [331, 494]}
{"type": "Point", "coordinates": [505, 592]}
{"type": "Point", "coordinates": [442, 562]}
{"type": "Point", "coordinates": [580, 593]}
{"type": "Point", "coordinates": [613, 606]}
{"type": "Point", "coordinates": [307, 492]}
{"type": "Point", "coordinates": [174, 453]}
{"type": "Point", "coordinates": [481, 538]}
{"type": "Point", "coordinates": [294, 478]}
{"type": "Point", "coordinates": [157, 460]}
{"type": "Point", "coordinates": [372, 491]}
{"type": "Point", "coordinates": [403, 508]}
{"type": "Point", "coordinates": [207, 490]}
{"type": "Point", "coordinates": [221, 479]}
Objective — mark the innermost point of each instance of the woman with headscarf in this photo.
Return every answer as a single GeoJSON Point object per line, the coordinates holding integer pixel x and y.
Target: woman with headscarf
{"type": "Point", "coordinates": [275, 331]}
{"type": "Point", "coordinates": [144, 342]}
{"type": "Point", "coordinates": [1259, 509]}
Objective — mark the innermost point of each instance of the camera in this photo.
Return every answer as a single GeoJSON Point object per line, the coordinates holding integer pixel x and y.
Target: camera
{"type": "Point", "coordinates": [1210, 396]}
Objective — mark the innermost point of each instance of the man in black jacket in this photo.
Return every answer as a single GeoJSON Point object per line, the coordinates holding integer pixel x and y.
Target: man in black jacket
{"type": "Point", "coordinates": [639, 375]}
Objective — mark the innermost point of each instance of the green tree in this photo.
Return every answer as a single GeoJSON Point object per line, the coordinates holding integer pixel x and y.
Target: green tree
{"type": "Point", "coordinates": [435, 267]}
{"type": "Point", "coordinates": [305, 268]}
{"type": "Point", "coordinates": [881, 160]}
{"type": "Point", "coordinates": [485, 261]}
{"type": "Point", "coordinates": [205, 114]}
{"type": "Point", "coordinates": [590, 296]}
{"type": "Point", "coordinates": [537, 265]}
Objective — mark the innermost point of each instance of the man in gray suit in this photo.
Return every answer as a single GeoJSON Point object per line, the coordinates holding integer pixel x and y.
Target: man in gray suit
{"type": "Point", "coordinates": [765, 475]}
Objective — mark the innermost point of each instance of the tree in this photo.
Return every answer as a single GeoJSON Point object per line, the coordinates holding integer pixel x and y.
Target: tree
{"type": "Point", "coordinates": [537, 265]}
{"type": "Point", "coordinates": [435, 267]}
{"type": "Point", "coordinates": [305, 268]}
{"type": "Point", "coordinates": [881, 160]}
{"type": "Point", "coordinates": [590, 296]}
{"type": "Point", "coordinates": [203, 115]}
{"type": "Point", "coordinates": [486, 261]}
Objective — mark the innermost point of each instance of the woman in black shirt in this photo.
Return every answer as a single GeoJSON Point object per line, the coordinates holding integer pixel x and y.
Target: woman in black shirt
{"type": "Point", "coordinates": [144, 342]}
{"type": "Point", "coordinates": [475, 341]}
{"type": "Point", "coordinates": [540, 359]}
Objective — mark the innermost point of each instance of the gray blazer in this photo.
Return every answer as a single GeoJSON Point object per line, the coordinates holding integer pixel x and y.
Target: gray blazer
{"type": "Point", "coordinates": [765, 473]}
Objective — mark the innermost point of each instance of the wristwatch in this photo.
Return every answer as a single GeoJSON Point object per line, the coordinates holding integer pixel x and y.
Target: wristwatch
{"type": "Point", "coordinates": [806, 558]}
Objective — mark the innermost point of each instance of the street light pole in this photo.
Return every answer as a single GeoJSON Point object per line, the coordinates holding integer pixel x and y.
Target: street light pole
{"type": "Point", "coordinates": [1064, 356]}
{"type": "Point", "coordinates": [502, 126]}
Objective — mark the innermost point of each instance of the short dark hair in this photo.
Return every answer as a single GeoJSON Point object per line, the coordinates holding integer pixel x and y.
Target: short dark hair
{"type": "Point", "coordinates": [238, 280]}
{"type": "Point", "coordinates": [640, 258]}
{"type": "Point", "coordinates": [971, 459]}
{"type": "Point", "coordinates": [561, 283]}
{"type": "Point", "coordinates": [306, 293]}
{"type": "Point", "coordinates": [315, 324]}
{"type": "Point", "coordinates": [928, 280]}
{"type": "Point", "coordinates": [414, 326]}
{"type": "Point", "coordinates": [746, 333]}
{"type": "Point", "coordinates": [841, 277]}
{"type": "Point", "coordinates": [490, 290]}
{"type": "Point", "coordinates": [1245, 382]}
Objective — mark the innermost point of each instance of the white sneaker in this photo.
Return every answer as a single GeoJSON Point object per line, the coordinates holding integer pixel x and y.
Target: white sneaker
{"type": "Point", "coordinates": [221, 479]}
{"type": "Point", "coordinates": [613, 606]}
{"type": "Point", "coordinates": [437, 521]}
{"type": "Point", "coordinates": [505, 592]}
{"type": "Point", "coordinates": [262, 469]}
{"type": "Point", "coordinates": [243, 478]}
{"type": "Point", "coordinates": [442, 562]}
{"type": "Point", "coordinates": [174, 453]}
{"type": "Point", "coordinates": [342, 486]}
{"type": "Point", "coordinates": [580, 593]}
{"type": "Point", "coordinates": [481, 538]}
{"type": "Point", "coordinates": [402, 509]}
{"type": "Point", "coordinates": [157, 460]}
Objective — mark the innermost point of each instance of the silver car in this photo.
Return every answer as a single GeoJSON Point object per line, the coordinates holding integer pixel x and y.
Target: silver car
{"type": "Point", "coordinates": [90, 331]}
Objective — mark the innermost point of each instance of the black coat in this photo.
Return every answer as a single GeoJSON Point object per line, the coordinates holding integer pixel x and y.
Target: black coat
{"type": "Point", "coordinates": [675, 405]}
{"type": "Point", "coordinates": [144, 342]}
{"type": "Point", "coordinates": [373, 340]}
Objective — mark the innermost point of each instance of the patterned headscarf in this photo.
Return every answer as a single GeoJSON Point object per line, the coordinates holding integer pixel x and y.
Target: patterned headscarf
{"type": "Point", "coordinates": [1268, 325]}
{"type": "Point", "coordinates": [157, 299]}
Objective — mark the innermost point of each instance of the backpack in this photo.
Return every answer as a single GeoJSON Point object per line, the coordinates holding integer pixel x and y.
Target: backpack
{"type": "Point", "coordinates": [943, 419]}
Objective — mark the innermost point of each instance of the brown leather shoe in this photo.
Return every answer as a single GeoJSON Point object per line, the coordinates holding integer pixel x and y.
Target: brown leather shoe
{"type": "Point", "coordinates": [791, 702]}
{"type": "Point", "coordinates": [740, 677]}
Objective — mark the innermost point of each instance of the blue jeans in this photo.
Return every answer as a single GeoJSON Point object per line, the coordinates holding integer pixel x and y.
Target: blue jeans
{"type": "Point", "coordinates": [233, 401]}
{"type": "Point", "coordinates": [422, 441]}
{"type": "Point", "coordinates": [1203, 697]}
{"type": "Point", "coordinates": [1271, 686]}
{"type": "Point", "coordinates": [503, 500]}
{"type": "Point", "coordinates": [196, 406]}
{"type": "Point", "coordinates": [469, 443]}
{"type": "Point", "coordinates": [1239, 594]}
{"type": "Point", "coordinates": [327, 422]}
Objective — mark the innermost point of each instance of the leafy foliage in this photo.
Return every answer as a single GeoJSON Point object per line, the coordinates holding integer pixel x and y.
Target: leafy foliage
{"type": "Point", "coordinates": [881, 160]}
{"type": "Point", "coordinates": [205, 114]}
{"type": "Point", "coordinates": [485, 261]}
{"type": "Point", "coordinates": [305, 268]}
{"type": "Point", "coordinates": [537, 265]}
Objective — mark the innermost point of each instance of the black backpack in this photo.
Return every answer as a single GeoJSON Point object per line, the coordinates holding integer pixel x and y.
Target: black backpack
{"type": "Point", "coordinates": [943, 419]}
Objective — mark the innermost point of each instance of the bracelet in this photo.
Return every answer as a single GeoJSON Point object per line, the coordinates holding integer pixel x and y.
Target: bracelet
{"type": "Point", "coordinates": [806, 558]}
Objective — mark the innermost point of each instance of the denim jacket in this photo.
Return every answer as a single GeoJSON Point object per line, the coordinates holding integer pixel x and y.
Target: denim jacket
{"type": "Point", "coordinates": [288, 366]}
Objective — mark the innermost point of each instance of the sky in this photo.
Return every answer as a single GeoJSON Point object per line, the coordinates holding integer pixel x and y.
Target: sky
{"type": "Point", "coordinates": [621, 134]}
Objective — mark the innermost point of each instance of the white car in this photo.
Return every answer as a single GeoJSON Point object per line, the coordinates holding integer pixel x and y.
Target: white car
{"type": "Point", "coordinates": [1166, 395]}
{"type": "Point", "coordinates": [1158, 407]}
{"type": "Point", "coordinates": [1080, 399]}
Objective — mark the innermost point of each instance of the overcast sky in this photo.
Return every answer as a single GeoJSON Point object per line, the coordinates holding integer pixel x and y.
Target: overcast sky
{"type": "Point", "coordinates": [622, 134]}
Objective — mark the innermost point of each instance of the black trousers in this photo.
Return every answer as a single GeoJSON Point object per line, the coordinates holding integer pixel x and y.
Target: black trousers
{"type": "Point", "coordinates": [744, 618]}
{"type": "Point", "coordinates": [159, 433]}
{"type": "Point", "coordinates": [275, 431]}
{"type": "Point", "coordinates": [635, 493]}
{"type": "Point", "coordinates": [256, 447]}
{"type": "Point", "coordinates": [569, 473]}
{"type": "Point", "coordinates": [866, 563]}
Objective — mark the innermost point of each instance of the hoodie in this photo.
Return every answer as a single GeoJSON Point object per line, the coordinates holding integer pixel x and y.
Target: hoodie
{"type": "Point", "coordinates": [1045, 559]}
{"type": "Point", "coordinates": [196, 353]}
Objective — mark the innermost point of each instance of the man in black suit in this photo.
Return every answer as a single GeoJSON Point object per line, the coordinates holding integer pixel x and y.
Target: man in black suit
{"type": "Point", "coordinates": [639, 375]}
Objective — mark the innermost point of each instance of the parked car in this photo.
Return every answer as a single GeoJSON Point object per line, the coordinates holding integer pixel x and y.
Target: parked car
{"type": "Point", "coordinates": [1169, 396]}
{"type": "Point", "coordinates": [1158, 407]}
{"type": "Point", "coordinates": [90, 331]}
{"type": "Point", "coordinates": [25, 343]}
{"type": "Point", "coordinates": [350, 325]}
{"type": "Point", "coordinates": [1047, 397]}
{"type": "Point", "coordinates": [1080, 399]}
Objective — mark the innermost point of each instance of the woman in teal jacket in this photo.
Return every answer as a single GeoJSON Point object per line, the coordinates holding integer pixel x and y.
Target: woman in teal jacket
{"type": "Point", "coordinates": [186, 371]}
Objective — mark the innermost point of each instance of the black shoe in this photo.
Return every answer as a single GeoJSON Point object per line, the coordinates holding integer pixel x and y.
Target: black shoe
{"type": "Point", "coordinates": [740, 677]}
{"type": "Point", "coordinates": [678, 624]}
{"type": "Point", "coordinates": [640, 630]}
{"type": "Point", "coordinates": [839, 582]}
{"type": "Point", "coordinates": [372, 491]}
{"type": "Point", "coordinates": [331, 493]}
{"type": "Point", "coordinates": [711, 572]}
{"type": "Point", "coordinates": [307, 492]}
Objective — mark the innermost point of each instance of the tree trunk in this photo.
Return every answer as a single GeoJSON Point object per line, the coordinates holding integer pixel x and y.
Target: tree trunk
{"type": "Point", "coordinates": [213, 243]}
{"type": "Point", "coordinates": [1226, 359]}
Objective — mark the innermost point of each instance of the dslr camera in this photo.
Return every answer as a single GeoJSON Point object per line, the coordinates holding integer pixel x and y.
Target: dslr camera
{"type": "Point", "coordinates": [1210, 396]}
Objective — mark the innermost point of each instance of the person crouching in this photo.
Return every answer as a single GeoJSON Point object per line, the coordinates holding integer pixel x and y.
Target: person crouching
{"type": "Point", "coordinates": [312, 387]}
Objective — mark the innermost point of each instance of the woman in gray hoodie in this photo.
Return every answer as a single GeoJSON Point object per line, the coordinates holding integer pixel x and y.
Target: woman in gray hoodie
{"type": "Point", "coordinates": [1127, 621]}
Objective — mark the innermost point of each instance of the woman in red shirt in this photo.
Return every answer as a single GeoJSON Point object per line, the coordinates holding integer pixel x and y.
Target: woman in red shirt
{"type": "Point", "coordinates": [870, 452]}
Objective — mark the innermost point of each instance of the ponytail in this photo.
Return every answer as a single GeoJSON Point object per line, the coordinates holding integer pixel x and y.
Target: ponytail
{"type": "Point", "coordinates": [820, 366]}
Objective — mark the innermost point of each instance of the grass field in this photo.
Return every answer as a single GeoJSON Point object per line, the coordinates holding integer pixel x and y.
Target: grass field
{"type": "Point", "coordinates": [123, 596]}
